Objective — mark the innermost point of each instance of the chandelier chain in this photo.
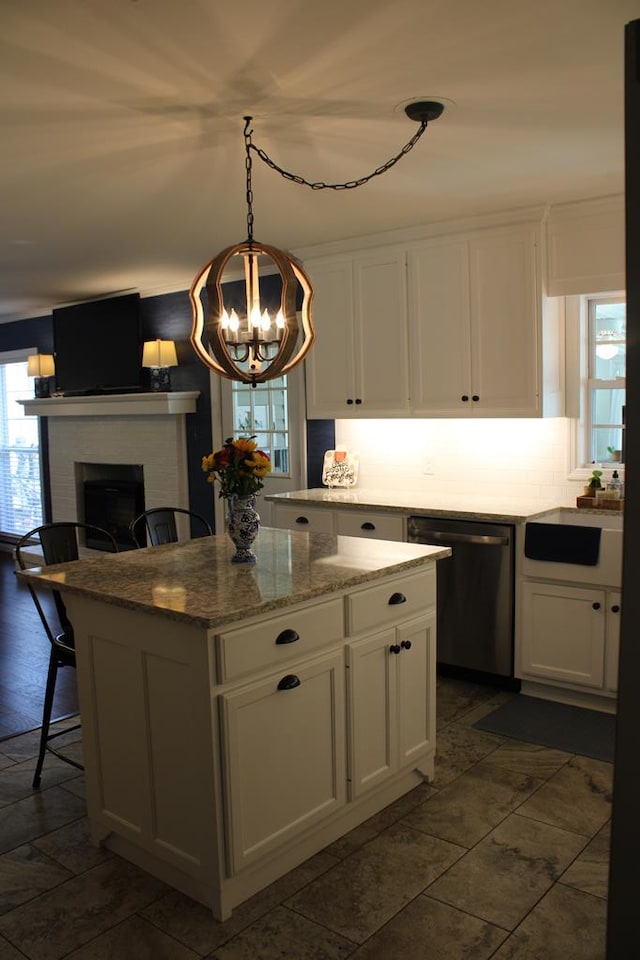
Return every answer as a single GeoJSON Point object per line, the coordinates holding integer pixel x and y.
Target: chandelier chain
{"type": "Point", "coordinates": [248, 166]}
{"type": "Point", "coordinates": [319, 184]}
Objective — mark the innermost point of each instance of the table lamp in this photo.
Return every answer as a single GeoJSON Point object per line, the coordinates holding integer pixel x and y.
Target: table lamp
{"type": "Point", "coordinates": [159, 356]}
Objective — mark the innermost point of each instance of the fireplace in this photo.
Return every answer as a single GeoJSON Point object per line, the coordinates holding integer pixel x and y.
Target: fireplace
{"type": "Point", "coordinates": [112, 500]}
{"type": "Point", "coordinates": [139, 439]}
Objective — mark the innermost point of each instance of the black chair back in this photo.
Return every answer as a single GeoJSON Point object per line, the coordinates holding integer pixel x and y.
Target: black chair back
{"type": "Point", "coordinates": [159, 523]}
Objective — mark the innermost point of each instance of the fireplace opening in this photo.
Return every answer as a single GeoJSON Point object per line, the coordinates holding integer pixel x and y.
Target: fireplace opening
{"type": "Point", "coordinates": [113, 496]}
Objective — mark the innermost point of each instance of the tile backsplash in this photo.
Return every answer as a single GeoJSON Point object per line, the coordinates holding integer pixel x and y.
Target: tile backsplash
{"type": "Point", "coordinates": [528, 458]}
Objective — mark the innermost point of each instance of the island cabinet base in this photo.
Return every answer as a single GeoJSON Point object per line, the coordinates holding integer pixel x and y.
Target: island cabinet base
{"type": "Point", "coordinates": [218, 759]}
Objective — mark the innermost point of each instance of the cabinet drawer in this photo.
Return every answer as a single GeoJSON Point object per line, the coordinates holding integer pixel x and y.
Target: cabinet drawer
{"type": "Point", "coordinates": [359, 523]}
{"type": "Point", "coordinates": [391, 602]}
{"type": "Point", "coordinates": [292, 516]}
{"type": "Point", "coordinates": [278, 640]}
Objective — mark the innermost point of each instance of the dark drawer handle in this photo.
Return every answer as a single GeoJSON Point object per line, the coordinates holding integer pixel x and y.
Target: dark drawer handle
{"type": "Point", "coordinates": [615, 608]}
{"type": "Point", "coordinates": [287, 636]}
{"type": "Point", "coordinates": [406, 644]}
{"type": "Point", "coordinates": [475, 397]}
{"type": "Point", "coordinates": [302, 520]}
{"type": "Point", "coordinates": [596, 605]}
{"type": "Point", "coordinates": [394, 648]}
{"type": "Point", "coordinates": [397, 598]}
{"type": "Point", "coordinates": [289, 682]}
{"type": "Point", "coordinates": [464, 397]}
{"type": "Point", "coordinates": [349, 401]}
{"type": "Point", "coordinates": [358, 400]}
{"type": "Point", "coordinates": [367, 525]}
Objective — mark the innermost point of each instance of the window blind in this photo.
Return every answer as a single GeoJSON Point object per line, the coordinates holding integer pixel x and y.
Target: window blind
{"type": "Point", "coordinates": [20, 479]}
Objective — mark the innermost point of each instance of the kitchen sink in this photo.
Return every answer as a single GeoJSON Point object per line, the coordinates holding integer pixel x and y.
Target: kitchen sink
{"type": "Point", "coordinates": [556, 546]}
{"type": "Point", "coordinates": [606, 520]}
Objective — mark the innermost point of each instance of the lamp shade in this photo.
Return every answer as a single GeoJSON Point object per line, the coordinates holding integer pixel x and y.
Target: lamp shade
{"type": "Point", "coordinates": [40, 365]}
{"type": "Point", "coordinates": [159, 353]}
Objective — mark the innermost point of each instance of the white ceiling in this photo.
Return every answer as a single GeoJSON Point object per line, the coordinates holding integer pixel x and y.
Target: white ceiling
{"type": "Point", "coordinates": [122, 156]}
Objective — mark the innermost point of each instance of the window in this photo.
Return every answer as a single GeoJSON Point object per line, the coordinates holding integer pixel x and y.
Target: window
{"type": "Point", "coordinates": [605, 401]}
{"type": "Point", "coordinates": [20, 487]}
{"type": "Point", "coordinates": [263, 410]}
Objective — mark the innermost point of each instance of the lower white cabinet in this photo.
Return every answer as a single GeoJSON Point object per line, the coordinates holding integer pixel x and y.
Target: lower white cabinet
{"type": "Point", "coordinates": [293, 516]}
{"type": "Point", "coordinates": [283, 755]}
{"type": "Point", "coordinates": [564, 634]}
{"type": "Point", "coordinates": [392, 703]}
{"type": "Point", "coordinates": [341, 521]}
{"type": "Point", "coordinates": [612, 619]}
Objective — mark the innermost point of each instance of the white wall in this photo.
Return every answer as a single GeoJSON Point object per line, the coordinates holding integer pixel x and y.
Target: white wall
{"type": "Point", "coordinates": [528, 458]}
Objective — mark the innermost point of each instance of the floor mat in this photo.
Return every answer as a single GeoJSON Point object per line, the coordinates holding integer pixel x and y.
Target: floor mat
{"type": "Point", "coordinates": [561, 726]}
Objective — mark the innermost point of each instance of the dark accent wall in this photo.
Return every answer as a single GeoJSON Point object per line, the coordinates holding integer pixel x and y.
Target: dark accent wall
{"type": "Point", "coordinates": [321, 436]}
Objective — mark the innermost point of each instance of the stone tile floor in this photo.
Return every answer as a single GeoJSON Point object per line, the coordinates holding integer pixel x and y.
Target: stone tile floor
{"type": "Point", "coordinates": [505, 855]}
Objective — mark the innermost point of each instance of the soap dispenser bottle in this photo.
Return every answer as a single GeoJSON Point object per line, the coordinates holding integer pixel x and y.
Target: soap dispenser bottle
{"type": "Point", "coordinates": [614, 487]}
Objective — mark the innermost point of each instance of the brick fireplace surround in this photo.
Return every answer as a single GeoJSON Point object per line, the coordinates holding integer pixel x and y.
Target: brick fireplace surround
{"type": "Point", "coordinates": [146, 430]}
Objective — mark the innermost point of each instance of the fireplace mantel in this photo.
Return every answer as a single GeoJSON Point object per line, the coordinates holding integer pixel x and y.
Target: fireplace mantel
{"type": "Point", "coordinates": [113, 405]}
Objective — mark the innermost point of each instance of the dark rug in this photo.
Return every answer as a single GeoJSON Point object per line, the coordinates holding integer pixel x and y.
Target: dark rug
{"type": "Point", "coordinates": [561, 726]}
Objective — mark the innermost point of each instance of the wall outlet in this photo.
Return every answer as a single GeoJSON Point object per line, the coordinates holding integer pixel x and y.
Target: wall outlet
{"type": "Point", "coordinates": [428, 468]}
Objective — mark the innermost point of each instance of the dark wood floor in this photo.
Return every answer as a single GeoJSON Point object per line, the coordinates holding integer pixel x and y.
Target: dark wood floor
{"type": "Point", "coordinates": [24, 658]}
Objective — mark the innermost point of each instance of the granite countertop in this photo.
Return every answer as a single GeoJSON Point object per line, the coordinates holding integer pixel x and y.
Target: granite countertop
{"type": "Point", "coordinates": [195, 582]}
{"type": "Point", "coordinates": [503, 508]}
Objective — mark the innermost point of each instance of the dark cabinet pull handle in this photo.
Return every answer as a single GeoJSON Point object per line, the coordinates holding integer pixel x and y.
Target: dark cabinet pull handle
{"type": "Point", "coordinates": [394, 648]}
{"type": "Point", "coordinates": [302, 520]}
{"type": "Point", "coordinates": [397, 598]}
{"type": "Point", "coordinates": [615, 608]}
{"type": "Point", "coordinates": [596, 605]}
{"type": "Point", "coordinates": [475, 397]}
{"type": "Point", "coordinates": [358, 400]}
{"type": "Point", "coordinates": [287, 636]}
{"type": "Point", "coordinates": [289, 682]}
{"type": "Point", "coordinates": [367, 525]}
{"type": "Point", "coordinates": [464, 397]}
{"type": "Point", "coordinates": [349, 400]}
{"type": "Point", "coordinates": [406, 644]}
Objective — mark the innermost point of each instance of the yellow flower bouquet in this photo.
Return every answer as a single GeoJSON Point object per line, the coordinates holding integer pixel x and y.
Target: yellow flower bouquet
{"type": "Point", "coordinates": [238, 466]}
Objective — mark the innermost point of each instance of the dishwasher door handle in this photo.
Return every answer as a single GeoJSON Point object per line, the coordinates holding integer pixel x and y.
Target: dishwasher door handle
{"type": "Point", "coordinates": [475, 538]}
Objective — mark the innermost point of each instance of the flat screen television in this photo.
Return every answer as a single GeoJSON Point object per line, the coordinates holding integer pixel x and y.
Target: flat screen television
{"type": "Point", "coordinates": [98, 347]}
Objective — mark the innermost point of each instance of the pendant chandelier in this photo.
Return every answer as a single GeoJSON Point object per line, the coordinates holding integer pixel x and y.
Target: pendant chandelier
{"type": "Point", "coordinates": [251, 303]}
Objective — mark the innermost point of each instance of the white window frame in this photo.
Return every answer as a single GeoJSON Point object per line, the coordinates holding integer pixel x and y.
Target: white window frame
{"type": "Point", "coordinates": [577, 381]}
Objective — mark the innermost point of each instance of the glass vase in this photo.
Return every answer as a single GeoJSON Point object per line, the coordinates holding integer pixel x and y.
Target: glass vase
{"type": "Point", "coordinates": [243, 525]}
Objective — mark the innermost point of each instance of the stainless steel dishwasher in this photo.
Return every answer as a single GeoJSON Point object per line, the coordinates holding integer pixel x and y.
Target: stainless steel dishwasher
{"type": "Point", "coordinates": [475, 594]}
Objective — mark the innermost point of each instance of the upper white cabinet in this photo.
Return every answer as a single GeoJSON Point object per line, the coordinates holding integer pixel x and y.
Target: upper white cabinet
{"type": "Point", "coordinates": [585, 247]}
{"type": "Point", "coordinates": [475, 324]}
{"type": "Point", "coordinates": [447, 326]}
{"type": "Point", "coordinates": [358, 365]}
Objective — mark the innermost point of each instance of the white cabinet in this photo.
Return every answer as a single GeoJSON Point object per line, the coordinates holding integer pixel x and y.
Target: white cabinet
{"type": "Point", "coordinates": [358, 365]}
{"type": "Point", "coordinates": [340, 521]}
{"type": "Point", "coordinates": [292, 516]}
{"type": "Point", "coordinates": [368, 523]}
{"type": "Point", "coordinates": [391, 696]}
{"type": "Point", "coordinates": [283, 755]}
{"type": "Point", "coordinates": [563, 633]}
{"type": "Point", "coordinates": [474, 308]}
{"type": "Point", "coordinates": [612, 654]}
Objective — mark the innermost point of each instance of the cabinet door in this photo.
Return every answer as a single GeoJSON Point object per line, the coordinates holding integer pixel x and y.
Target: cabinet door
{"type": "Point", "coordinates": [614, 606]}
{"type": "Point", "coordinates": [439, 327]}
{"type": "Point", "coordinates": [283, 755]}
{"type": "Point", "coordinates": [563, 633]}
{"type": "Point", "coordinates": [329, 366]}
{"type": "Point", "coordinates": [381, 348]}
{"type": "Point", "coordinates": [295, 516]}
{"type": "Point", "coordinates": [416, 666]}
{"type": "Point", "coordinates": [505, 325]}
{"type": "Point", "coordinates": [377, 526]}
{"type": "Point", "coordinates": [373, 753]}
{"type": "Point", "coordinates": [358, 364]}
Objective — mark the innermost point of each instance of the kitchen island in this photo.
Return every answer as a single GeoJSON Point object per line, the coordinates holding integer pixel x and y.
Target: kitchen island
{"type": "Point", "coordinates": [237, 719]}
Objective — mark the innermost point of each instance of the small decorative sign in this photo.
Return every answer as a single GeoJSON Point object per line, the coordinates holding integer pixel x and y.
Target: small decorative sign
{"type": "Point", "coordinates": [340, 468]}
